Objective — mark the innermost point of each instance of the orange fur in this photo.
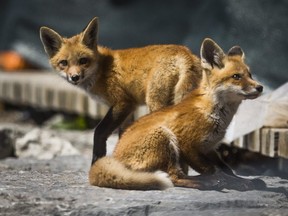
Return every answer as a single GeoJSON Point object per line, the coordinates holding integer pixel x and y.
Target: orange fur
{"type": "Point", "coordinates": [188, 131]}
{"type": "Point", "coordinates": [156, 75]}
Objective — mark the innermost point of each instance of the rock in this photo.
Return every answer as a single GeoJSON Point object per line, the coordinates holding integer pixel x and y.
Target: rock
{"type": "Point", "coordinates": [60, 187]}
{"type": "Point", "coordinates": [43, 144]}
{"type": "Point", "coordinates": [6, 143]}
{"type": "Point", "coordinates": [8, 136]}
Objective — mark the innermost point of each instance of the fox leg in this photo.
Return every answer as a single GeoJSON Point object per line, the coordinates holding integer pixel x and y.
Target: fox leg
{"type": "Point", "coordinates": [213, 156]}
{"type": "Point", "coordinates": [114, 117]}
{"type": "Point", "coordinates": [201, 182]}
{"type": "Point", "coordinates": [208, 179]}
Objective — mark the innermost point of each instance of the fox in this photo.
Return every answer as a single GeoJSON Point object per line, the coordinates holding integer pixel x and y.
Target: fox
{"type": "Point", "coordinates": [155, 75]}
{"type": "Point", "coordinates": [155, 151]}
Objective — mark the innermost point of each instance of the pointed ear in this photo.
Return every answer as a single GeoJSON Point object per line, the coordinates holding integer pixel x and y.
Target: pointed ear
{"type": "Point", "coordinates": [51, 40]}
{"type": "Point", "coordinates": [90, 34]}
{"type": "Point", "coordinates": [211, 54]}
{"type": "Point", "coordinates": [236, 51]}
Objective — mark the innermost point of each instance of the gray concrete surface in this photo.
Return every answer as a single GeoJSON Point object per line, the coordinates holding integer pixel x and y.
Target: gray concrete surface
{"type": "Point", "coordinates": [59, 186]}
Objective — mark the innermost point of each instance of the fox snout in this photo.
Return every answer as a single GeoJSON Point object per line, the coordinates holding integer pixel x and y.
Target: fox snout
{"type": "Point", "coordinates": [74, 78]}
{"type": "Point", "coordinates": [254, 91]}
{"type": "Point", "coordinates": [259, 88]}
{"type": "Point", "coordinates": [74, 75]}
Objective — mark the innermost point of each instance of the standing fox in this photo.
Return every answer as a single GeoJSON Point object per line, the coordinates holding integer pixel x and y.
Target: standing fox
{"type": "Point", "coordinates": [158, 75]}
{"type": "Point", "coordinates": [153, 152]}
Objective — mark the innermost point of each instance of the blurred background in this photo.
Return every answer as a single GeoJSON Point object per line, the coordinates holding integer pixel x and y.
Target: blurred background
{"type": "Point", "coordinates": [259, 27]}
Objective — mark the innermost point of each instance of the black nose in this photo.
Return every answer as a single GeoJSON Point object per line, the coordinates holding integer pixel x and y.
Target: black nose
{"type": "Point", "coordinates": [75, 78]}
{"type": "Point", "coordinates": [259, 88]}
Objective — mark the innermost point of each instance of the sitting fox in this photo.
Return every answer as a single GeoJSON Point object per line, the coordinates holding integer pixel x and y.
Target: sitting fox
{"type": "Point", "coordinates": [152, 153]}
{"type": "Point", "coordinates": [157, 75]}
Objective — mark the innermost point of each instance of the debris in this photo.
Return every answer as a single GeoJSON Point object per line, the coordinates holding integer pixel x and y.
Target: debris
{"type": "Point", "coordinates": [42, 144]}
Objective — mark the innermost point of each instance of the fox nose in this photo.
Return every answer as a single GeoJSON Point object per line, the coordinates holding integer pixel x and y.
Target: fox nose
{"type": "Point", "coordinates": [75, 77]}
{"type": "Point", "coordinates": [259, 88]}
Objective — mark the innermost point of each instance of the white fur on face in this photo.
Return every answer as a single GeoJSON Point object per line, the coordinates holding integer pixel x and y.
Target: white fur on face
{"type": "Point", "coordinates": [63, 74]}
{"type": "Point", "coordinates": [229, 94]}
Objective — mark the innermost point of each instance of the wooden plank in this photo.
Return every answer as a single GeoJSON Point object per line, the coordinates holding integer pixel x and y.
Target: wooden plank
{"type": "Point", "coordinates": [46, 90]}
{"type": "Point", "coordinates": [253, 141]}
{"type": "Point", "coordinates": [283, 143]}
{"type": "Point", "coordinates": [240, 142]}
{"type": "Point", "coordinates": [274, 142]}
{"type": "Point", "coordinates": [268, 143]}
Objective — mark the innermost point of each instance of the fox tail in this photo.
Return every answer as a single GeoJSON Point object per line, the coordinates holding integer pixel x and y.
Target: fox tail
{"type": "Point", "coordinates": [108, 172]}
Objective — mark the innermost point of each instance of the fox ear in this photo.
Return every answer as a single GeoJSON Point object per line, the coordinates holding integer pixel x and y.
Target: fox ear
{"type": "Point", "coordinates": [236, 51]}
{"type": "Point", "coordinates": [211, 54]}
{"type": "Point", "coordinates": [51, 40]}
{"type": "Point", "coordinates": [90, 34]}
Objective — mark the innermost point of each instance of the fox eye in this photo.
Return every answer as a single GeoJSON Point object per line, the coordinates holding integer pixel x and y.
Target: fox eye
{"type": "Point", "coordinates": [83, 61]}
{"type": "Point", "coordinates": [63, 63]}
{"type": "Point", "coordinates": [236, 76]}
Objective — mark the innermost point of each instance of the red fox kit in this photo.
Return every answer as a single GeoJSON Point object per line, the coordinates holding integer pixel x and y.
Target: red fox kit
{"type": "Point", "coordinates": [152, 153]}
{"type": "Point", "coordinates": [158, 75]}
